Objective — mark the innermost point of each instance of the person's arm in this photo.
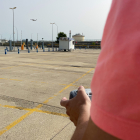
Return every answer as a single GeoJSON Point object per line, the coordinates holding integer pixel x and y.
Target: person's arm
{"type": "Point", "coordinates": [91, 132]}
{"type": "Point", "coordinates": [78, 109]}
{"type": "Point", "coordinates": [79, 131]}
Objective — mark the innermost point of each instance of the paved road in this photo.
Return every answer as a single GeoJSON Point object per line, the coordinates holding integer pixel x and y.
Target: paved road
{"type": "Point", "coordinates": [31, 87]}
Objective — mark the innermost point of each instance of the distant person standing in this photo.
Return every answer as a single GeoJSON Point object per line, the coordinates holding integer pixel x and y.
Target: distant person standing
{"type": "Point", "coordinates": [114, 112]}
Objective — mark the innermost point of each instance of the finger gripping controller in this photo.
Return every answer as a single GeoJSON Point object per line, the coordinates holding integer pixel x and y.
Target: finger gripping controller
{"type": "Point", "coordinates": [74, 93]}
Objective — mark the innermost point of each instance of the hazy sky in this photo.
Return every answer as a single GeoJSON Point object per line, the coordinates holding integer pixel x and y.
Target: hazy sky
{"type": "Point", "coordinates": [79, 16]}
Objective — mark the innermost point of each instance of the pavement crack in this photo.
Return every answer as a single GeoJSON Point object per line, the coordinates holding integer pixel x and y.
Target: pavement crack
{"type": "Point", "coordinates": [60, 131]}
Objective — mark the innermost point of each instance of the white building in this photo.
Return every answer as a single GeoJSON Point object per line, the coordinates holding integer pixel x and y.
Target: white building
{"type": "Point", "coordinates": [66, 43]}
{"type": "Point", "coordinates": [78, 37]}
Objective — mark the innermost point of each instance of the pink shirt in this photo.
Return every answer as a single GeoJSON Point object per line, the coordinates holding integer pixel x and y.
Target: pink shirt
{"type": "Point", "coordinates": [116, 81]}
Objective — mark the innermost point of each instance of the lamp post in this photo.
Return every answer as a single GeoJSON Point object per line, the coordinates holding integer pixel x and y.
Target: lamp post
{"type": "Point", "coordinates": [52, 33]}
{"type": "Point", "coordinates": [57, 28]}
{"type": "Point", "coordinates": [17, 32]}
{"type": "Point", "coordinates": [21, 38]}
{"type": "Point", "coordinates": [13, 25]}
{"type": "Point", "coordinates": [33, 20]}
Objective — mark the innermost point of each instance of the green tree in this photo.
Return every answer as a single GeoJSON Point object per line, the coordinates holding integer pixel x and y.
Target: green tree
{"type": "Point", "coordinates": [61, 34]}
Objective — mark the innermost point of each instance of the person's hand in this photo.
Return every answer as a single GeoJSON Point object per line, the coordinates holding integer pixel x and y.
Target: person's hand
{"type": "Point", "coordinates": [78, 108]}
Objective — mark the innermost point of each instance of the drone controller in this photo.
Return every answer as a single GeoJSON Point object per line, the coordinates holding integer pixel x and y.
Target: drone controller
{"type": "Point", "coordinates": [74, 93]}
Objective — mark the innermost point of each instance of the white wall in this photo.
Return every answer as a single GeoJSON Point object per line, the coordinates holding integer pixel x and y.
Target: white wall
{"type": "Point", "coordinates": [63, 44]}
{"type": "Point", "coordinates": [71, 45]}
{"type": "Point", "coordinates": [66, 44]}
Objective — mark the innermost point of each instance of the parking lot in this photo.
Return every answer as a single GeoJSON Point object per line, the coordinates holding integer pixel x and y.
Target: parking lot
{"type": "Point", "coordinates": [31, 87]}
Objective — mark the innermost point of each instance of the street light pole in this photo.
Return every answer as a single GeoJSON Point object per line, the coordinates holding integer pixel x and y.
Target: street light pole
{"type": "Point", "coordinates": [21, 38]}
{"type": "Point", "coordinates": [33, 20]}
{"type": "Point", "coordinates": [13, 26]}
{"type": "Point", "coordinates": [13, 30]}
{"type": "Point", "coordinates": [52, 33]}
{"type": "Point", "coordinates": [17, 32]}
{"type": "Point", "coordinates": [57, 28]}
